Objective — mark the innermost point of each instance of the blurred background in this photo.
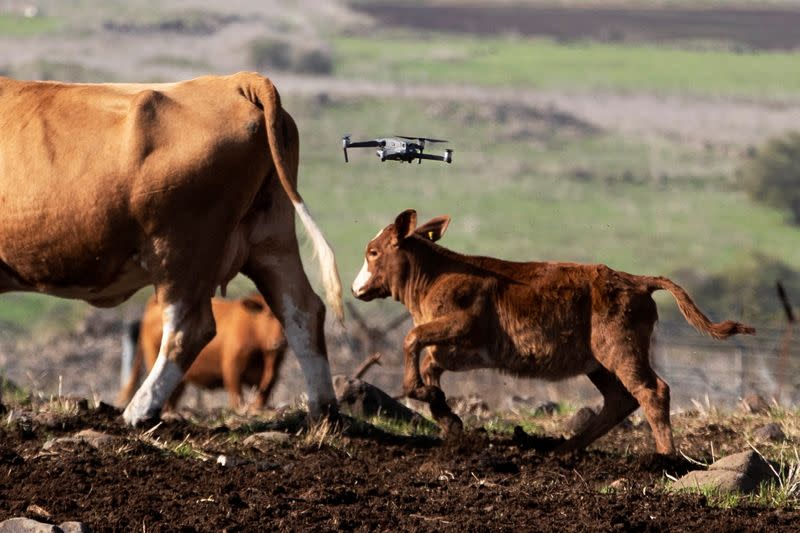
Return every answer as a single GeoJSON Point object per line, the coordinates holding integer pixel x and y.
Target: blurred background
{"type": "Point", "coordinates": [653, 136]}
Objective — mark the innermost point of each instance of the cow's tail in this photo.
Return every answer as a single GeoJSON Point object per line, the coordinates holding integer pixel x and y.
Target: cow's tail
{"type": "Point", "coordinates": [132, 362]}
{"type": "Point", "coordinates": [693, 315]}
{"type": "Point", "coordinates": [266, 94]}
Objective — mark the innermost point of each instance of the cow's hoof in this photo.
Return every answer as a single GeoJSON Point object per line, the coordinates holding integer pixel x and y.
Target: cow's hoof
{"type": "Point", "coordinates": [324, 411]}
{"type": "Point", "coordinates": [137, 416]}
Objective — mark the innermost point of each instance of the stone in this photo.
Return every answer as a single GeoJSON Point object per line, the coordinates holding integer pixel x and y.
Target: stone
{"type": "Point", "coordinates": [547, 408]}
{"type": "Point", "coordinates": [770, 432]}
{"type": "Point", "coordinates": [364, 400]}
{"type": "Point", "coordinates": [754, 403]}
{"type": "Point", "coordinates": [228, 461]}
{"type": "Point", "coordinates": [720, 480]}
{"type": "Point", "coordinates": [742, 472]}
{"type": "Point", "coordinates": [578, 422]}
{"type": "Point", "coordinates": [91, 437]}
{"type": "Point", "coordinates": [258, 439]}
{"type": "Point", "coordinates": [27, 525]}
{"type": "Point", "coordinates": [748, 463]}
{"type": "Point", "coordinates": [75, 527]}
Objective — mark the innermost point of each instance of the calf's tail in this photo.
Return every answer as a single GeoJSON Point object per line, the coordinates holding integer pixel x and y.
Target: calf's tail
{"type": "Point", "coordinates": [694, 316]}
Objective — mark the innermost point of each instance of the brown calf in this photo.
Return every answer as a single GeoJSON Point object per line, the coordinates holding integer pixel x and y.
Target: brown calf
{"type": "Point", "coordinates": [248, 349]}
{"type": "Point", "coordinates": [538, 319]}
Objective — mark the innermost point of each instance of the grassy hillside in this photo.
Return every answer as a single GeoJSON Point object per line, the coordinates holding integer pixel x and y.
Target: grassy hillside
{"type": "Point", "coordinates": [527, 183]}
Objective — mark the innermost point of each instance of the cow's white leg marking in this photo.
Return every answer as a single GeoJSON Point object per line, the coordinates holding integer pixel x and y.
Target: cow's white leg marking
{"type": "Point", "coordinates": [362, 279]}
{"type": "Point", "coordinates": [315, 367]}
{"type": "Point", "coordinates": [161, 380]}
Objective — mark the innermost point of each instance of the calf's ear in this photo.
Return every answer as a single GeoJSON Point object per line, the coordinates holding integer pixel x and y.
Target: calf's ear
{"type": "Point", "coordinates": [405, 223]}
{"type": "Point", "coordinates": [434, 228]}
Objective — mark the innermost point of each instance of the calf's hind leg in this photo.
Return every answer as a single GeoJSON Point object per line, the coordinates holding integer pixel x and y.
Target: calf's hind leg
{"type": "Point", "coordinates": [618, 403]}
{"type": "Point", "coordinates": [629, 360]}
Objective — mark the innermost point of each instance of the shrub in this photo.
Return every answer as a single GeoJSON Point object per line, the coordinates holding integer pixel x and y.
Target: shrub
{"type": "Point", "coordinates": [280, 54]}
{"type": "Point", "coordinates": [772, 174]}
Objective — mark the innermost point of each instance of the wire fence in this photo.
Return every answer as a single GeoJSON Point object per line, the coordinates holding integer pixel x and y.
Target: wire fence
{"type": "Point", "coordinates": [697, 368]}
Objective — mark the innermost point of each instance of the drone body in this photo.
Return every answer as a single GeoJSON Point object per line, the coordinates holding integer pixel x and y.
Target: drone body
{"type": "Point", "coordinates": [399, 148]}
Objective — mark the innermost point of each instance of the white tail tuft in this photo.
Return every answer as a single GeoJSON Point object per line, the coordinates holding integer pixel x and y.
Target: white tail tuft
{"type": "Point", "coordinates": [327, 261]}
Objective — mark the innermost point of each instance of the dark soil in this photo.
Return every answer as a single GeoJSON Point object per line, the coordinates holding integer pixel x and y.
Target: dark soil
{"type": "Point", "coordinates": [361, 479]}
{"type": "Point", "coordinates": [750, 28]}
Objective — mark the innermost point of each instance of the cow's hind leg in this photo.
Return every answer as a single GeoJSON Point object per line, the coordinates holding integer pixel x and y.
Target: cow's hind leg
{"type": "Point", "coordinates": [278, 274]}
{"type": "Point", "coordinates": [618, 403]}
{"type": "Point", "coordinates": [188, 327]}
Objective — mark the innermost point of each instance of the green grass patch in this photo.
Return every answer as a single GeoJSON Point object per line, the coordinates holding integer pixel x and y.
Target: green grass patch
{"type": "Point", "coordinates": [426, 428]}
{"type": "Point", "coordinates": [19, 26]}
{"type": "Point", "coordinates": [10, 392]}
{"type": "Point", "coordinates": [543, 64]}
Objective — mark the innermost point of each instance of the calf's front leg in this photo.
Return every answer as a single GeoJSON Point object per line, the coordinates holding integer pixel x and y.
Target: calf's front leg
{"type": "Point", "coordinates": [440, 332]}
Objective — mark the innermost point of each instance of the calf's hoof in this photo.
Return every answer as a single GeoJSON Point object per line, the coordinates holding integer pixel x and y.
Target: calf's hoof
{"type": "Point", "coordinates": [452, 426]}
{"type": "Point", "coordinates": [428, 394]}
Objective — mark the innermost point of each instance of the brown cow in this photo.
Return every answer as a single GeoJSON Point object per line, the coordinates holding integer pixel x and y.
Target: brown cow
{"type": "Point", "coordinates": [248, 348]}
{"type": "Point", "coordinates": [107, 188]}
{"type": "Point", "coordinates": [544, 320]}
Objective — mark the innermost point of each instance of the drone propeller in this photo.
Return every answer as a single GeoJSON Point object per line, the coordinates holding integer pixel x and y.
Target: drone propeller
{"type": "Point", "coordinates": [423, 139]}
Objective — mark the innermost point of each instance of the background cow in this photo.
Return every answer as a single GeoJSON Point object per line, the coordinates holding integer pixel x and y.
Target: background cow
{"type": "Point", "coordinates": [108, 188]}
{"type": "Point", "coordinates": [545, 320]}
{"type": "Point", "coordinates": [248, 349]}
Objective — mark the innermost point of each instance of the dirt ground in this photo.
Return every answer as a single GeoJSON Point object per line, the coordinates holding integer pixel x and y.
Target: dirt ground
{"type": "Point", "coordinates": [360, 479]}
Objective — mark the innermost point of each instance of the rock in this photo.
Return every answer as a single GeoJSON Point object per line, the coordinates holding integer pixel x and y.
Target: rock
{"type": "Point", "coordinates": [27, 525]}
{"type": "Point", "coordinates": [361, 399]}
{"type": "Point", "coordinates": [25, 427]}
{"type": "Point", "coordinates": [771, 432]}
{"type": "Point", "coordinates": [547, 408]}
{"type": "Point", "coordinates": [38, 511]}
{"type": "Point", "coordinates": [91, 437]}
{"type": "Point", "coordinates": [748, 463]}
{"type": "Point", "coordinates": [741, 472]}
{"type": "Point", "coordinates": [619, 484]}
{"type": "Point", "coordinates": [578, 422]}
{"type": "Point", "coordinates": [754, 403]}
{"type": "Point", "coordinates": [259, 439]}
{"type": "Point", "coordinates": [75, 527]}
{"type": "Point", "coordinates": [226, 460]}
{"type": "Point", "coordinates": [720, 480]}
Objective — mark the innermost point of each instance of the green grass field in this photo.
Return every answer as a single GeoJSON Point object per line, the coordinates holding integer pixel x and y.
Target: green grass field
{"type": "Point", "coordinates": [518, 201]}
{"type": "Point", "coordinates": [19, 26]}
{"type": "Point", "coordinates": [542, 64]}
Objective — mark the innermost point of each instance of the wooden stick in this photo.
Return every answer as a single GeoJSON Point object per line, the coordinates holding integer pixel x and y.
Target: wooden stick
{"type": "Point", "coordinates": [373, 359]}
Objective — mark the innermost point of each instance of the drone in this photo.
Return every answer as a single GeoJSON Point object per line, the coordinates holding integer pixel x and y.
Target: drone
{"type": "Point", "coordinates": [399, 148]}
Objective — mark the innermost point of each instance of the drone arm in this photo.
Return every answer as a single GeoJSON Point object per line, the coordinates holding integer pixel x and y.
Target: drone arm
{"type": "Point", "coordinates": [446, 158]}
